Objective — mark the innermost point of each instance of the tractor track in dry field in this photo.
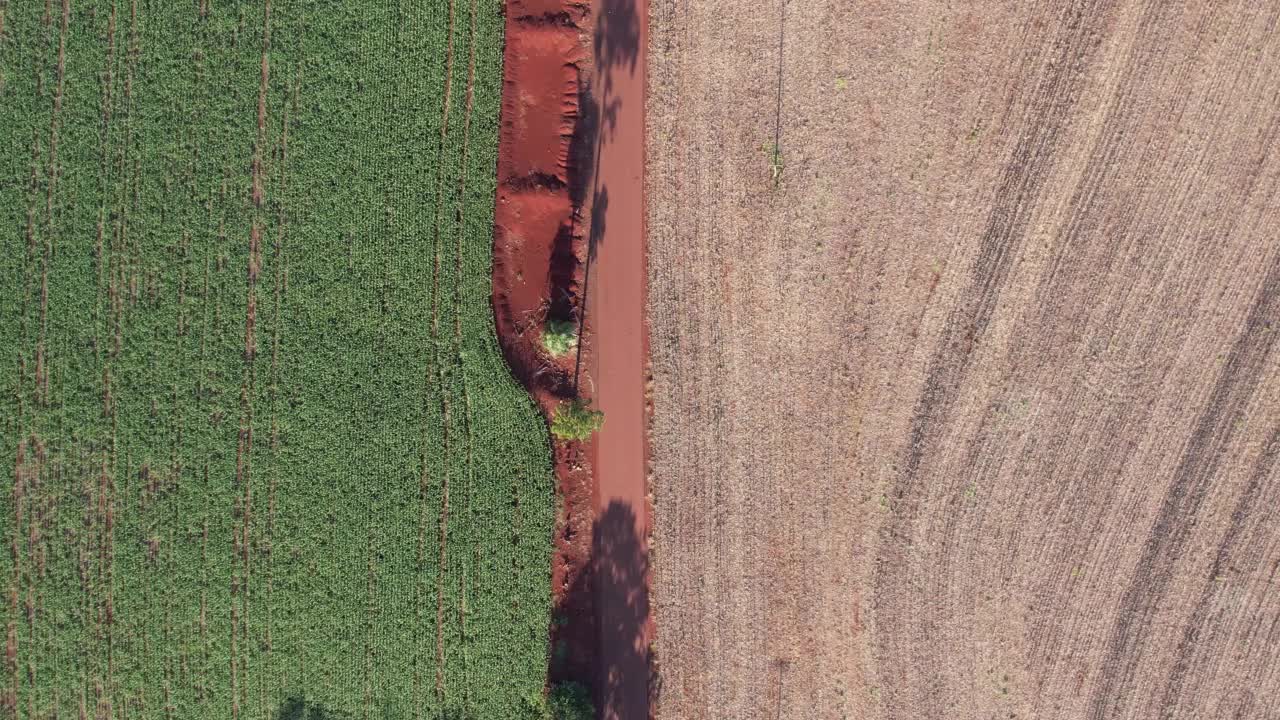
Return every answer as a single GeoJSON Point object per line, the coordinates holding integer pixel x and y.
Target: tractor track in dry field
{"type": "Point", "coordinates": [964, 382]}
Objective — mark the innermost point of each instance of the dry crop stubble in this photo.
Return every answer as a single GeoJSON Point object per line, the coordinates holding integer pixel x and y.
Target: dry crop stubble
{"type": "Point", "coordinates": [972, 413]}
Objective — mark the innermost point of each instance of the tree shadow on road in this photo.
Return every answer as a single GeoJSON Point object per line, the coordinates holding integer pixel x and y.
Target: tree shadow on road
{"type": "Point", "coordinates": [615, 591]}
{"type": "Point", "coordinates": [620, 564]}
{"type": "Point", "coordinates": [616, 46]}
{"type": "Point", "coordinates": [616, 43]}
{"type": "Point", "coordinates": [617, 36]}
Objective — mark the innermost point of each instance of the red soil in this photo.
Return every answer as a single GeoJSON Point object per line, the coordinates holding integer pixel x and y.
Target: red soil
{"type": "Point", "coordinates": [539, 104]}
{"type": "Point", "coordinates": [538, 268]}
{"type": "Point", "coordinates": [570, 167]}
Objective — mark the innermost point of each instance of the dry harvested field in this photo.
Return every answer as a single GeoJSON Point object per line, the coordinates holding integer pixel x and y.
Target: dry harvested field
{"type": "Point", "coordinates": [965, 400]}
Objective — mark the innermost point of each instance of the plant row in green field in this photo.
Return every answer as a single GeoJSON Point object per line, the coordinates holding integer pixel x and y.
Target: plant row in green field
{"type": "Point", "coordinates": [266, 456]}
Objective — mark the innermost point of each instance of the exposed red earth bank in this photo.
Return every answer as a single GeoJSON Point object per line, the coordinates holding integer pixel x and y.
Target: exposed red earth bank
{"type": "Point", "coordinates": [571, 136]}
{"type": "Point", "coordinates": [571, 188]}
{"type": "Point", "coordinates": [537, 257]}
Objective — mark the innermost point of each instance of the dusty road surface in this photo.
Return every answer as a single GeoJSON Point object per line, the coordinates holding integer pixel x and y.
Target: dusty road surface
{"type": "Point", "coordinates": [616, 335]}
{"type": "Point", "coordinates": [964, 324]}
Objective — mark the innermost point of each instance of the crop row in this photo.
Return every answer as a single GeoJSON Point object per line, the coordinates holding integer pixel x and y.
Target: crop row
{"type": "Point", "coordinates": [265, 453]}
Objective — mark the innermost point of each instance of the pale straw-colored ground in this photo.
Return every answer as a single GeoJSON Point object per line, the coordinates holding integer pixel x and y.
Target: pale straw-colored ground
{"type": "Point", "coordinates": [974, 413]}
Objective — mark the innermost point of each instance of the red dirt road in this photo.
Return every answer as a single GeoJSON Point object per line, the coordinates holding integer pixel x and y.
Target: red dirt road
{"type": "Point", "coordinates": [570, 223]}
{"type": "Point", "coordinates": [617, 359]}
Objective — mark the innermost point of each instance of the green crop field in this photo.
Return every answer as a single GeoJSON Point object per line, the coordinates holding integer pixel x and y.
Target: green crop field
{"type": "Point", "coordinates": [265, 459]}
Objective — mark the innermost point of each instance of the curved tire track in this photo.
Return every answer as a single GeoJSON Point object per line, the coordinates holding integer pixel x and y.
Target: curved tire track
{"type": "Point", "coordinates": [1214, 431]}
{"type": "Point", "coordinates": [1050, 103]}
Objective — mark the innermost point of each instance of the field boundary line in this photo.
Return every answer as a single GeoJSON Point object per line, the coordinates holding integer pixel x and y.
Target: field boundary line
{"type": "Point", "coordinates": [431, 378]}
{"type": "Point", "coordinates": [281, 278]}
{"type": "Point", "coordinates": [457, 342]}
{"type": "Point", "coordinates": [443, 522]}
{"type": "Point", "coordinates": [244, 455]}
{"type": "Point", "coordinates": [776, 160]}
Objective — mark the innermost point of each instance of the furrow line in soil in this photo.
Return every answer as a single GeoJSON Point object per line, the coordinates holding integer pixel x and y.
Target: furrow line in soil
{"type": "Point", "coordinates": [101, 262]}
{"type": "Point", "coordinates": [1025, 172]}
{"type": "Point", "coordinates": [280, 283]}
{"type": "Point", "coordinates": [443, 530]}
{"type": "Point", "coordinates": [424, 472]}
{"type": "Point", "coordinates": [1198, 630]}
{"type": "Point", "coordinates": [248, 389]}
{"type": "Point", "coordinates": [51, 182]}
{"type": "Point", "coordinates": [459, 282]}
{"type": "Point", "coordinates": [1075, 239]}
{"type": "Point", "coordinates": [15, 587]}
{"type": "Point", "coordinates": [1212, 434]}
{"type": "Point", "coordinates": [370, 610]}
{"type": "Point", "coordinates": [202, 681]}
{"type": "Point", "coordinates": [1102, 252]}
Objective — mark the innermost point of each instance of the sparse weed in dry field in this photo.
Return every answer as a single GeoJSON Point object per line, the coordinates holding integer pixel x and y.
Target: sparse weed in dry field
{"type": "Point", "coordinates": [776, 165]}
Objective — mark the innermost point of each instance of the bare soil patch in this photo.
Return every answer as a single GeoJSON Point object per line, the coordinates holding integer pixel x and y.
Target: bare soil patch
{"type": "Point", "coordinates": [569, 247]}
{"type": "Point", "coordinates": [965, 380]}
{"type": "Point", "coordinates": [538, 265]}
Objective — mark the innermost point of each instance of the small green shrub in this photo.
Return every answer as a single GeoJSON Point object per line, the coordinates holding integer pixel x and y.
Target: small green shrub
{"type": "Point", "coordinates": [561, 652]}
{"type": "Point", "coordinates": [571, 701]}
{"type": "Point", "coordinates": [576, 421]}
{"type": "Point", "coordinates": [560, 337]}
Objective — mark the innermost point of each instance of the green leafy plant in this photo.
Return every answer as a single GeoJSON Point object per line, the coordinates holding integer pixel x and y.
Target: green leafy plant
{"type": "Point", "coordinates": [570, 701]}
{"type": "Point", "coordinates": [560, 337]}
{"type": "Point", "coordinates": [534, 707]}
{"type": "Point", "coordinates": [576, 421]}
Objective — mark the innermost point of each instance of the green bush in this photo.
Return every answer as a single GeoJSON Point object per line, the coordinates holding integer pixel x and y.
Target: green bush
{"type": "Point", "coordinates": [576, 421]}
{"type": "Point", "coordinates": [560, 337]}
{"type": "Point", "coordinates": [571, 701]}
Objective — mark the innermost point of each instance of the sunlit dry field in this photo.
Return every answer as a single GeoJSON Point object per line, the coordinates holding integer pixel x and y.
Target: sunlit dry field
{"type": "Point", "coordinates": [965, 378]}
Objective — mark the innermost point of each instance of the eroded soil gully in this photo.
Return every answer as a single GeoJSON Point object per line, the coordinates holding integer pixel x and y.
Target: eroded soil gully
{"type": "Point", "coordinates": [538, 271]}
{"type": "Point", "coordinates": [558, 165]}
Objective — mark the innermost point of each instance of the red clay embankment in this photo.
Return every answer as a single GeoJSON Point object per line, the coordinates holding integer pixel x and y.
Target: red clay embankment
{"type": "Point", "coordinates": [569, 241]}
{"type": "Point", "coordinates": [538, 262]}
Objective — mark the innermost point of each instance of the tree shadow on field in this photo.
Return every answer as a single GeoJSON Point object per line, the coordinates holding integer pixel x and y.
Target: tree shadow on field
{"type": "Point", "coordinates": [615, 587]}
{"type": "Point", "coordinates": [297, 708]}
